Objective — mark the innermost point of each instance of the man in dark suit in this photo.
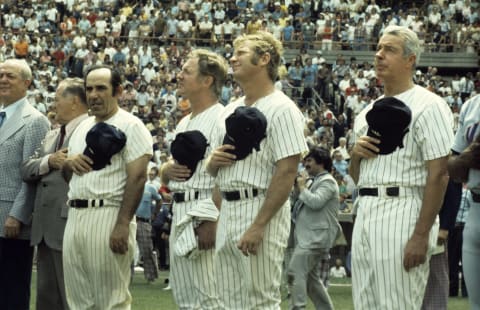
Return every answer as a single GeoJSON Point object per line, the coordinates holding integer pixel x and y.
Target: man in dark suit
{"type": "Point", "coordinates": [21, 130]}
{"type": "Point", "coordinates": [314, 216]}
{"type": "Point", "coordinates": [50, 209]}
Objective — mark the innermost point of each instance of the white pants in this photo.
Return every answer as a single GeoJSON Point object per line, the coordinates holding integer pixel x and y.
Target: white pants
{"type": "Point", "coordinates": [192, 280]}
{"type": "Point", "coordinates": [95, 277]}
{"type": "Point", "coordinates": [382, 228]}
{"type": "Point", "coordinates": [251, 282]}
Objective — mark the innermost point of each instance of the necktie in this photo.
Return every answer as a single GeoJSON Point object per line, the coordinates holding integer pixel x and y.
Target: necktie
{"type": "Point", "coordinates": [62, 137]}
{"type": "Point", "coordinates": [2, 117]}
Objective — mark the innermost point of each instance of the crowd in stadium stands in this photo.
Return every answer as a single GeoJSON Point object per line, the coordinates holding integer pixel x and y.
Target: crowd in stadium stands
{"type": "Point", "coordinates": [148, 41]}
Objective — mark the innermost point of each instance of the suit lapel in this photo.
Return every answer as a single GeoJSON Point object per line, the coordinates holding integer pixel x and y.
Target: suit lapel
{"type": "Point", "coordinates": [15, 122]}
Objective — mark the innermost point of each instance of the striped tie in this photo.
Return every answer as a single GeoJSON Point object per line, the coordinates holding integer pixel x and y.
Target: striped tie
{"type": "Point", "coordinates": [2, 117]}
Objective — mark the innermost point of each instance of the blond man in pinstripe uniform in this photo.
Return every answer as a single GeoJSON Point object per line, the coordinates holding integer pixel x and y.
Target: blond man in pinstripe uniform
{"type": "Point", "coordinates": [192, 279]}
{"type": "Point", "coordinates": [254, 221]}
{"type": "Point", "coordinates": [99, 235]}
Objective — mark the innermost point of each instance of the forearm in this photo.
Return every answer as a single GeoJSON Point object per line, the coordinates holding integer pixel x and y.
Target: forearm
{"type": "Point", "coordinates": [354, 169]}
{"type": "Point", "coordinates": [211, 169]}
{"type": "Point", "coordinates": [131, 198]}
{"type": "Point", "coordinates": [458, 166]}
{"type": "Point", "coordinates": [432, 202]}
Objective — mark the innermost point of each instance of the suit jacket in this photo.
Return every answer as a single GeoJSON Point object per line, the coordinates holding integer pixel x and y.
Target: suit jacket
{"type": "Point", "coordinates": [316, 210]}
{"type": "Point", "coordinates": [50, 209]}
{"type": "Point", "coordinates": [20, 135]}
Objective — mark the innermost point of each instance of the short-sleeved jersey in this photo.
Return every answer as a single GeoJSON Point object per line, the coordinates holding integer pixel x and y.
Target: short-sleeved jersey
{"type": "Point", "coordinates": [284, 138]}
{"type": "Point", "coordinates": [468, 130]}
{"type": "Point", "coordinates": [205, 123]}
{"type": "Point", "coordinates": [430, 136]}
{"type": "Point", "coordinates": [109, 183]}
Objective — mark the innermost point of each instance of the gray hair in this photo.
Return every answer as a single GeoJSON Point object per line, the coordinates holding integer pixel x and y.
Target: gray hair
{"type": "Point", "coordinates": [411, 43]}
{"type": "Point", "coordinates": [25, 71]}
{"type": "Point", "coordinates": [74, 87]}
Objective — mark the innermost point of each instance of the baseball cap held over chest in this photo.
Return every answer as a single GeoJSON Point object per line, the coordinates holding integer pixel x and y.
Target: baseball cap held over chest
{"type": "Point", "coordinates": [189, 148]}
{"type": "Point", "coordinates": [389, 121]}
{"type": "Point", "coordinates": [103, 141]}
{"type": "Point", "coordinates": [246, 127]}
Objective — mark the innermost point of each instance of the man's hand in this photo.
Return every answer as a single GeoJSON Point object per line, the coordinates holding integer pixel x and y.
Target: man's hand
{"type": "Point", "coordinates": [79, 164]}
{"type": "Point", "coordinates": [221, 158]}
{"type": "Point", "coordinates": [119, 238]}
{"type": "Point", "coordinates": [251, 239]}
{"type": "Point", "coordinates": [442, 236]}
{"type": "Point", "coordinates": [366, 147]}
{"type": "Point", "coordinates": [206, 232]}
{"type": "Point", "coordinates": [57, 159]}
{"type": "Point", "coordinates": [11, 227]}
{"type": "Point", "coordinates": [415, 252]}
{"type": "Point", "coordinates": [175, 171]}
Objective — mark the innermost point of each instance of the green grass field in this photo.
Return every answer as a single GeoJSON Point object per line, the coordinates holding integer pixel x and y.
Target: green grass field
{"type": "Point", "coordinates": [153, 297]}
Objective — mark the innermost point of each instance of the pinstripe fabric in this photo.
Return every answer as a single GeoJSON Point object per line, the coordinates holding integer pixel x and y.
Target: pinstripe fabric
{"type": "Point", "coordinates": [385, 224]}
{"type": "Point", "coordinates": [284, 138]}
{"type": "Point", "coordinates": [109, 182]}
{"type": "Point", "coordinates": [95, 277]}
{"type": "Point", "coordinates": [192, 280]}
{"type": "Point", "coordinates": [205, 122]}
{"type": "Point", "coordinates": [254, 282]}
{"type": "Point", "coordinates": [382, 228]}
{"type": "Point", "coordinates": [145, 245]}
{"type": "Point", "coordinates": [251, 282]}
{"type": "Point", "coordinates": [430, 137]}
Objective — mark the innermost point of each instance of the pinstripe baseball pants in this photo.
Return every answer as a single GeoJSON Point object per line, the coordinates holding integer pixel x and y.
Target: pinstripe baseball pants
{"type": "Point", "coordinates": [251, 282]}
{"type": "Point", "coordinates": [192, 280]}
{"type": "Point", "coordinates": [382, 228]}
{"type": "Point", "coordinates": [95, 277]}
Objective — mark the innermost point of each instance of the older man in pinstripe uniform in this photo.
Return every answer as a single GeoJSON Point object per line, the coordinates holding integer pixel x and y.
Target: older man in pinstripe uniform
{"type": "Point", "coordinates": [192, 278]}
{"type": "Point", "coordinates": [400, 192]}
{"type": "Point", "coordinates": [255, 217]}
{"type": "Point", "coordinates": [99, 235]}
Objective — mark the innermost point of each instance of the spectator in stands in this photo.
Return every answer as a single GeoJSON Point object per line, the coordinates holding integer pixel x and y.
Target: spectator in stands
{"type": "Point", "coordinates": [338, 271]}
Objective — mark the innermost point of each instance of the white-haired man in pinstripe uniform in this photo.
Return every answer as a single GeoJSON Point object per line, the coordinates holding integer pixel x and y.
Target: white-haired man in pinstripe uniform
{"type": "Point", "coordinates": [192, 277]}
{"type": "Point", "coordinates": [400, 192]}
{"type": "Point", "coordinates": [254, 220]}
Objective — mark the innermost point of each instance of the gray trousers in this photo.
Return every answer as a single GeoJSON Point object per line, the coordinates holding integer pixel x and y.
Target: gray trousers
{"type": "Point", "coordinates": [50, 283]}
{"type": "Point", "coordinates": [304, 279]}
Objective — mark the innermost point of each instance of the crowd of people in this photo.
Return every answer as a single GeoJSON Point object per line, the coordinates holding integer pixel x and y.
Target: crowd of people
{"type": "Point", "coordinates": [154, 48]}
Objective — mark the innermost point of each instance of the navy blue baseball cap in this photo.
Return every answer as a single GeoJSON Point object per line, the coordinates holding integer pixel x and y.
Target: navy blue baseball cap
{"type": "Point", "coordinates": [389, 121]}
{"type": "Point", "coordinates": [246, 127]}
{"type": "Point", "coordinates": [189, 148]}
{"type": "Point", "coordinates": [103, 141]}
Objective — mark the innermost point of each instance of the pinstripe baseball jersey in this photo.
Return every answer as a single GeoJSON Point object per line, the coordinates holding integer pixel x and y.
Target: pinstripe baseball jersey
{"type": "Point", "coordinates": [468, 130]}
{"type": "Point", "coordinates": [109, 183]}
{"type": "Point", "coordinates": [284, 138]}
{"type": "Point", "coordinates": [430, 136]}
{"type": "Point", "coordinates": [204, 122]}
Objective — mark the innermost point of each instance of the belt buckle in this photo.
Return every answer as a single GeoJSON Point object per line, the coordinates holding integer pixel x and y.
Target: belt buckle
{"type": "Point", "coordinates": [393, 191]}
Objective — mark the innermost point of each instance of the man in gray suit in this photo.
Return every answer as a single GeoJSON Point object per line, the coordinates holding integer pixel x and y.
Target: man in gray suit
{"type": "Point", "coordinates": [314, 216]}
{"type": "Point", "coordinates": [44, 169]}
{"type": "Point", "coordinates": [21, 130]}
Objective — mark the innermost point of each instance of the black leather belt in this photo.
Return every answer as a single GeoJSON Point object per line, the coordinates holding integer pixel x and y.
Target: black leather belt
{"type": "Point", "coordinates": [373, 191]}
{"type": "Point", "coordinates": [237, 195]}
{"type": "Point", "coordinates": [84, 203]}
{"type": "Point", "coordinates": [180, 197]}
{"type": "Point", "coordinates": [475, 197]}
{"type": "Point", "coordinates": [141, 219]}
